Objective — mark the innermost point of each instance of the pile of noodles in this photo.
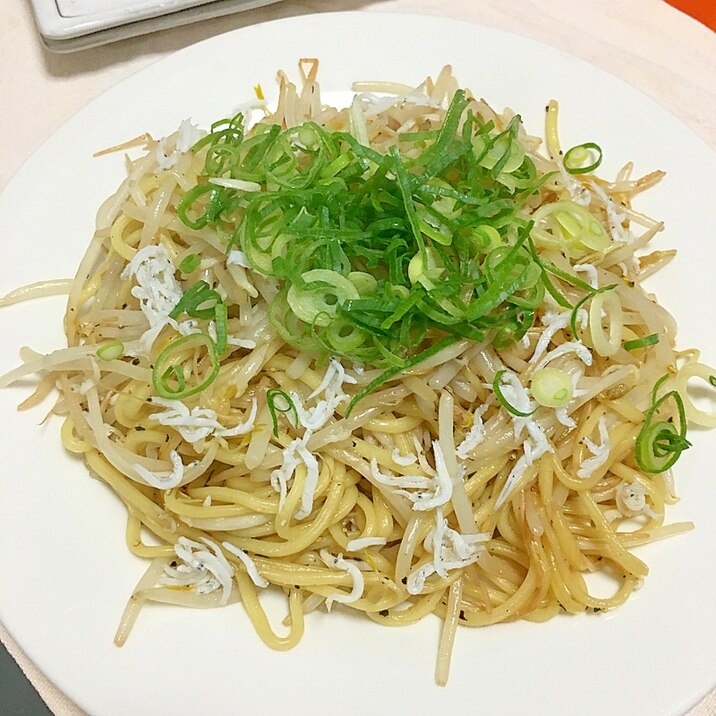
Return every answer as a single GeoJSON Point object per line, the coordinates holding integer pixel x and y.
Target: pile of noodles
{"type": "Point", "coordinates": [226, 528]}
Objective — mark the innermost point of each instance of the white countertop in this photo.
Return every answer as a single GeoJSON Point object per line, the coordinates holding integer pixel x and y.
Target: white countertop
{"type": "Point", "coordinates": [647, 43]}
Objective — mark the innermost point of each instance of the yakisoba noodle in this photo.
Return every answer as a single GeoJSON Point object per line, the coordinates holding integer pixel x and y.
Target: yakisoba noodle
{"type": "Point", "coordinates": [467, 407]}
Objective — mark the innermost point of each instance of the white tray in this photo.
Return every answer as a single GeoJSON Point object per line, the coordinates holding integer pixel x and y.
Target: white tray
{"type": "Point", "coordinates": [68, 25]}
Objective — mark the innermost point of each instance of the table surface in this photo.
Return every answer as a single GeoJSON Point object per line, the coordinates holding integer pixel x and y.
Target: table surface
{"type": "Point", "coordinates": [649, 44]}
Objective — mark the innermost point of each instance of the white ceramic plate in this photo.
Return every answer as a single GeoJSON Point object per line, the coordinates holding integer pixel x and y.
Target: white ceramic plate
{"type": "Point", "coordinates": [65, 570]}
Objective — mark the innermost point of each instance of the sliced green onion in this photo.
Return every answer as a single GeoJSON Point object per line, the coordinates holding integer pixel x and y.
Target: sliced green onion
{"type": "Point", "coordinates": [189, 263]}
{"type": "Point", "coordinates": [660, 442]}
{"type": "Point", "coordinates": [497, 390]}
{"type": "Point", "coordinates": [174, 373]}
{"type": "Point", "coordinates": [425, 268]}
{"type": "Point", "coordinates": [659, 446]}
{"type": "Point", "coordinates": [693, 413]}
{"type": "Point", "coordinates": [392, 372]}
{"type": "Point", "coordinates": [319, 304]}
{"type": "Point", "coordinates": [567, 225]}
{"type": "Point", "coordinates": [575, 158]}
{"type": "Point", "coordinates": [650, 340]}
{"type": "Point", "coordinates": [433, 225]}
{"type": "Point", "coordinates": [712, 380]}
{"type": "Point", "coordinates": [547, 269]}
{"type": "Point", "coordinates": [591, 294]}
{"type": "Point", "coordinates": [364, 282]}
{"type": "Point", "coordinates": [406, 195]}
{"type": "Point", "coordinates": [606, 342]}
{"type": "Point", "coordinates": [199, 301]}
{"type": "Point", "coordinates": [375, 254]}
{"type": "Point", "coordinates": [343, 337]}
{"type": "Point", "coordinates": [504, 156]}
{"type": "Point", "coordinates": [272, 395]}
{"type": "Point", "coordinates": [175, 363]}
{"type": "Point", "coordinates": [485, 237]}
{"type": "Point", "coordinates": [111, 350]}
{"type": "Point", "coordinates": [509, 276]}
{"type": "Point", "coordinates": [552, 387]}
{"type": "Point", "coordinates": [187, 202]}
{"type": "Point", "coordinates": [220, 319]}
{"type": "Point", "coordinates": [514, 329]}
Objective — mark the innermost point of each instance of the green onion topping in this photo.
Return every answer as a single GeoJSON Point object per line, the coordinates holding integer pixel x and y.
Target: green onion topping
{"type": "Point", "coordinates": [497, 389]}
{"type": "Point", "coordinates": [386, 259]}
{"type": "Point", "coordinates": [660, 442]}
{"type": "Point", "coordinates": [575, 310]}
{"type": "Point", "coordinates": [111, 350]}
{"type": "Point", "coordinates": [173, 374]}
{"type": "Point", "coordinates": [650, 340]}
{"type": "Point", "coordinates": [199, 301]}
{"type": "Point", "coordinates": [189, 263]}
{"type": "Point", "coordinates": [220, 318]}
{"type": "Point", "coordinates": [377, 257]}
{"type": "Point", "coordinates": [272, 396]}
{"type": "Point", "coordinates": [552, 387]}
{"type": "Point", "coordinates": [575, 160]}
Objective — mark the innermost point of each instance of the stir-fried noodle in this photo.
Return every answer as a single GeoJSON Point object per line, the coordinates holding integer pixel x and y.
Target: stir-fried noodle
{"type": "Point", "coordinates": [395, 356]}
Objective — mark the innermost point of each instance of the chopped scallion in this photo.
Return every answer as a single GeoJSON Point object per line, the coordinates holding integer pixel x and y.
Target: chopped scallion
{"type": "Point", "coordinates": [199, 301]}
{"type": "Point", "coordinates": [272, 397]}
{"type": "Point", "coordinates": [189, 263]}
{"type": "Point", "coordinates": [174, 365]}
{"type": "Point", "coordinates": [660, 442]}
{"type": "Point", "coordinates": [650, 340]}
{"type": "Point", "coordinates": [575, 160]}
{"type": "Point", "coordinates": [499, 394]}
{"type": "Point", "coordinates": [111, 350]}
{"type": "Point", "coordinates": [552, 387]}
{"type": "Point", "coordinates": [374, 254]}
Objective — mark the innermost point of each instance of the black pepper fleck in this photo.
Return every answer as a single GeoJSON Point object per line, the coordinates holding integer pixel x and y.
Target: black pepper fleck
{"type": "Point", "coordinates": [384, 612]}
